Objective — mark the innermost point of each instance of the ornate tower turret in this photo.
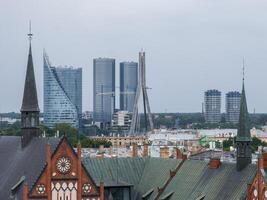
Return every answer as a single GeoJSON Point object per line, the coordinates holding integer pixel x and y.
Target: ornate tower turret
{"type": "Point", "coordinates": [29, 109]}
{"type": "Point", "coordinates": [243, 139]}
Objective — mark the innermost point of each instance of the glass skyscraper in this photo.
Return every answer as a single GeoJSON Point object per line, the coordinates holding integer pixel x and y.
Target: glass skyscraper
{"type": "Point", "coordinates": [232, 103]}
{"type": "Point", "coordinates": [128, 85]}
{"type": "Point", "coordinates": [212, 100]}
{"type": "Point", "coordinates": [104, 90]}
{"type": "Point", "coordinates": [62, 95]}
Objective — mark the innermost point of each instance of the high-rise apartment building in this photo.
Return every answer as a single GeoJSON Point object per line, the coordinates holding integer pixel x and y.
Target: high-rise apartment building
{"type": "Point", "coordinates": [212, 101]}
{"type": "Point", "coordinates": [128, 85]}
{"type": "Point", "coordinates": [121, 121]}
{"type": "Point", "coordinates": [232, 104]}
{"type": "Point", "coordinates": [62, 95]}
{"type": "Point", "coordinates": [104, 91]}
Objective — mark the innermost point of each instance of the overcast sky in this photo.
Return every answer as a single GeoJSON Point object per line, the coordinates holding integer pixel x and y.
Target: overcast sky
{"type": "Point", "coordinates": [191, 46]}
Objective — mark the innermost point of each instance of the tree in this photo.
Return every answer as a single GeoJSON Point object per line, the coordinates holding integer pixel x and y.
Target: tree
{"type": "Point", "coordinates": [70, 132]}
{"type": "Point", "coordinates": [95, 143]}
{"type": "Point", "coordinates": [256, 142]}
{"type": "Point", "coordinates": [218, 145]}
{"type": "Point", "coordinates": [228, 143]}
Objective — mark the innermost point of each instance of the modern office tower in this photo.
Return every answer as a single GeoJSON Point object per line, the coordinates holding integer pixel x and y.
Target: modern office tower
{"type": "Point", "coordinates": [232, 104]}
{"type": "Point", "coordinates": [212, 101]}
{"type": "Point", "coordinates": [104, 91]}
{"type": "Point", "coordinates": [62, 95]}
{"type": "Point", "coordinates": [71, 80]}
{"type": "Point", "coordinates": [128, 85]}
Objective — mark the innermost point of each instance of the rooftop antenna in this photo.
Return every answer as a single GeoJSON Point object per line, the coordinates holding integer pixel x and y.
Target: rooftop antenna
{"type": "Point", "coordinates": [30, 31]}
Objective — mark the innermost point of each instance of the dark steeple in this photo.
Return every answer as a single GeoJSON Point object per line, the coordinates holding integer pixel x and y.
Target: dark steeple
{"type": "Point", "coordinates": [243, 138]}
{"type": "Point", "coordinates": [30, 101]}
{"type": "Point", "coordinates": [29, 109]}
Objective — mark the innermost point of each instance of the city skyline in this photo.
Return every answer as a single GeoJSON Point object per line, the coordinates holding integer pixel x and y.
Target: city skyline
{"type": "Point", "coordinates": [194, 44]}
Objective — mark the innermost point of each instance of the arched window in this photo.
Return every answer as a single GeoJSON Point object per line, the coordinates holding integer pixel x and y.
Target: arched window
{"type": "Point", "coordinates": [33, 122]}
{"type": "Point", "coordinates": [28, 123]}
{"type": "Point", "coordinates": [64, 190]}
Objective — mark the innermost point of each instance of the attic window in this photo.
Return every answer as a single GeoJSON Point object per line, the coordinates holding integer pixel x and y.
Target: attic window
{"type": "Point", "coordinates": [201, 197]}
{"type": "Point", "coordinates": [15, 188]}
{"type": "Point", "coordinates": [167, 196]}
{"type": "Point", "coordinates": [147, 194]}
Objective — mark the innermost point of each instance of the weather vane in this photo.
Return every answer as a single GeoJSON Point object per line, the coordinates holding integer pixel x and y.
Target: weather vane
{"type": "Point", "coordinates": [30, 31]}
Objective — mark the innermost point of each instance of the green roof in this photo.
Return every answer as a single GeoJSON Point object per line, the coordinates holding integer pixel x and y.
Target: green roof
{"type": "Point", "coordinates": [113, 171]}
{"type": "Point", "coordinates": [194, 178]}
{"type": "Point", "coordinates": [156, 173]}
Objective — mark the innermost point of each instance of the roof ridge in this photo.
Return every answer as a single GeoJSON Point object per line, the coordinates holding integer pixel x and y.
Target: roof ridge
{"type": "Point", "coordinates": [45, 163]}
{"type": "Point", "coordinates": [167, 182]}
{"type": "Point", "coordinates": [147, 159]}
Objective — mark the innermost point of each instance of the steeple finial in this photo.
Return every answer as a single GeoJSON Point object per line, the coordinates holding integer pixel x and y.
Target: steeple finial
{"type": "Point", "coordinates": [30, 31]}
{"type": "Point", "coordinates": [243, 69]}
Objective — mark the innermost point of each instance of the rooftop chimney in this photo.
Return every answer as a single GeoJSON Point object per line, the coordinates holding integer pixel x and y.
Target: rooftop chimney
{"type": "Point", "coordinates": [134, 152]}
{"type": "Point", "coordinates": [145, 153]}
{"type": "Point", "coordinates": [164, 152]}
{"type": "Point", "coordinates": [214, 163]}
{"type": "Point", "coordinates": [180, 154]}
{"type": "Point", "coordinates": [263, 158]}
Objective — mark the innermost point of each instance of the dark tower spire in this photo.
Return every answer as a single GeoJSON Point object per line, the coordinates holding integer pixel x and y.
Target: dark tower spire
{"type": "Point", "coordinates": [29, 109]}
{"type": "Point", "coordinates": [243, 139]}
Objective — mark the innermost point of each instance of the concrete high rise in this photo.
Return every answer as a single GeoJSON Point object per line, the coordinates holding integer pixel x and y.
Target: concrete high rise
{"type": "Point", "coordinates": [128, 85]}
{"type": "Point", "coordinates": [212, 101]}
{"type": "Point", "coordinates": [232, 104]}
{"type": "Point", "coordinates": [104, 91]}
{"type": "Point", "coordinates": [62, 95]}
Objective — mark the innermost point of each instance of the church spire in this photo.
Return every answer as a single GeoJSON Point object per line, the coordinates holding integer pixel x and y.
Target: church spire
{"type": "Point", "coordinates": [30, 101]}
{"type": "Point", "coordinates": [243, 138]}
{"type": "Point", "coordinates": [243, 133]}
{"type": "Point", "coordinates": [29, 109]}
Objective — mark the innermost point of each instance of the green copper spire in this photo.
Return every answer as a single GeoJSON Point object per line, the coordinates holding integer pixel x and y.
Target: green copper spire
{"type": "Point", "coordinates": [243, 133]}
{"type": "Point", "coordinates": [243, 138]}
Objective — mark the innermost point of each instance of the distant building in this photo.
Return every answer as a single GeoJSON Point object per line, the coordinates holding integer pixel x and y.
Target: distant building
{"type": "Point", "coordinates": [212, 101]}
{"type": "Point", "coordinates": [104, 91]}
{"type": "Point", "coordinates": [232, 103]}
{"type": "Point", "coordinates": [122, 141]}
{"type": "Point", "coordinates": [121, 121]}
{"type": "Point", "coordinates": [128, 84]}
{"type": "Point", "coordinates": [62, 95]}
{"type": "Point", "coordinates": [87, 115]}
